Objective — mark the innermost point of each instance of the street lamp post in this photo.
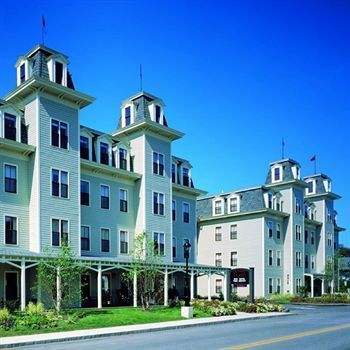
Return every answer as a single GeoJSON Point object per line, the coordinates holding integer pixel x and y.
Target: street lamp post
{"type": "Point", "coordinates": [187, 247]}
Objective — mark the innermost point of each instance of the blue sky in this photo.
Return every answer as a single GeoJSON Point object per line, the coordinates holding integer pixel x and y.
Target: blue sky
{"type": "Point", "coordinates": [236, 77]}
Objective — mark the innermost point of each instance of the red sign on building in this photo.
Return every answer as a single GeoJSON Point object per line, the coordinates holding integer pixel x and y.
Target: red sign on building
{"type": "Point", "coordinates": [240, 277]}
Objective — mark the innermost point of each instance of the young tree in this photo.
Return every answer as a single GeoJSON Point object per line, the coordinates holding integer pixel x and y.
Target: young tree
{"type": "Point", "coordinates": [145, 266]}
{"type": "Point", "coordinates": [331, 270]}
{"type": "Point", "coordinates": [59, 278]}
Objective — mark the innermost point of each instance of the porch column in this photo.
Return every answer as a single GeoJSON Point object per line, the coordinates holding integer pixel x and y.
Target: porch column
{"type": "Point", "coordinates": [23, 285]}
{"type": "Point", "coordinates": [209, 286]}
{"type": "Point", "coordinates": [166, 288]}
{"type": "Point", "coordinates": [99, 286]}
{"type": "Point", "coordinates": [135, 290]}
{"type": "Point", "coordinates": [312, 286]}
{"type": "Point", "coordinates": [322, 286]}
{"type": "Point", "coordinates": [192, 284]}
{"type": "Point", "coordinates": [58, 289]}
{"type": "Point", "coordinates": [225, 287]}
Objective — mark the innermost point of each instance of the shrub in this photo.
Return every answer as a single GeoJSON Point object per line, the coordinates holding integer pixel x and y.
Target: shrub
{"type": "Point", "coordinates": [215, 307]}
{"type": "Point", "coordinates": [7, 321]}
{"type": "Point", "coordinates": [281, 298]}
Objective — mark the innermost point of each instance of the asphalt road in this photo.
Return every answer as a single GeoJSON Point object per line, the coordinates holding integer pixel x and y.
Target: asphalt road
{"type": "Point", "coordinates": [310, 327]}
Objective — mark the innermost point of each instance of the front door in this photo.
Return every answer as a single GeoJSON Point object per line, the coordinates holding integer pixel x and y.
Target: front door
{"type": "Point", "coordinates": [11, 286]}
{"type": "Point", "coordinates": [106, 290]}
{"type": "Point", "coordinates": [85, 291]}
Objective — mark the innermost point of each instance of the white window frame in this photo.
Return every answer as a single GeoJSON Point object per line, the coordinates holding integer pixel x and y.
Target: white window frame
{"type": "Point", "coordinates": [4, 175]}
{"type": "Point", "coordinates": [273, 179]}
{"type": "Point", "coordinates": [158, 193]}
{"type": "Point", "coordinates": [216, 255]}
{"type": "Point", "coordinates": [173, 202]}
{"type": "Point", "coordinates": [59, 188]}
{"type": "Point", "coordinates": [17, 226]}
{"type": "Point", "coordinates": [183, 212]}
{"type": "Point", "coordinates": [109, 197]}
{"type": "Point", "coordinates": [84, 180]}
{"type": "Point", "coordinates": [231, 231]}
{"type": "Point", "coordinates": [235, 254]}
{"type": "Point", "coordinates": [172, 246]}
{"type": "Point", "coordinates": [217, 199]}
{"type": "Point", "coordinates": [270, 285]}
{"type": "Point", "coordinates": [158, 242]}
{"type": "Point", "coordinates": [85, 250]}
{"type": "Point", "coordinates": [127, 241]}
{"type": "Point", "coordinates": [109, 240]}
{"type": "Point", "coordinates": [158, 163]}
{"type": "Point", "coordinates": [218, 232]}
{"type": "Point", "coordinates": [127, 199]}
{"type": "Point", "coordinates": [59, 133]}
{"type": "Point", "coordinates": [52, 70]}
{"type": "Point", "coordinates": [278, 256]}
{"type": "Point", "coordinates": [270, 253]}
{"type": "Point", "coordinates": [229, 204]}
{"type": "Point", "coordinates": [60, 227]}
{"type": "Point", "coordinates": [13, 113]}
{"type": "Point", "coordinates": [132, 114]}
{"type": "Point", "coordinates": [86, 134]}
{"type": "Point", "coordinates": [313, 186]}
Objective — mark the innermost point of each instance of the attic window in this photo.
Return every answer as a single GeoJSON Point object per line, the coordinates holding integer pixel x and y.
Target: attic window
{"type": "Point", "coordinates": [59, 73]}
{"type": "Point", "coordinates": [158, 114]}
{"type": "Point", "coordinates": [277, 173]}
{"type": "Point", "coordinates": [127, 116]}
{"type": "Point", "coordinates": [22, 73]}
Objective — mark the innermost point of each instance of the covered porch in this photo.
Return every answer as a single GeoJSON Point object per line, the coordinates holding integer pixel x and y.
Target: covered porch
{"type": "Point", "coordinates": [315, 284]}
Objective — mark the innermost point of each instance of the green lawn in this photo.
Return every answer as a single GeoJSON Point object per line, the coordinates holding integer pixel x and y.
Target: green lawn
{"type": "Point", "coordinates": [109, 317]}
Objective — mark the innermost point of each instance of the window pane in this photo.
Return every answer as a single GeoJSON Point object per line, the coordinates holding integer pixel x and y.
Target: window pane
{"type": "Point", "coordinates": [58, 72]}
{"type": "Point", "coordinates": [64, 135]}
{"type": "Point", "coordinates": [54, 133]}
{"type": "Point", "coordinates": [10, 127]}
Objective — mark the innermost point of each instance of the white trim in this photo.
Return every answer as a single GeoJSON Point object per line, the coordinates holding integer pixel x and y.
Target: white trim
{"type": "Point", "coordinates": [88, 181]}
{"type": "Point", "coordinates": [60, 232]}
{"type": "Point", "coordinates": [132, 114]}
{"type": "Point", "coordinates": [313, 186]}
{"type": "Point", "coordinates": [85, 133]}
{"type": "Point", "coordinates": [189, 213]}
{"type": "Point", "coordinates": [59, 179]}
{"type": "Point", "coordinates": [4, 175]}
{"type": "Point", "coordinates": [153, 192]}
{"type": "Point", "coordinates": [229, 204]}
{"type": "Point", "coordinates": [158, 242]}
{"type": "Point", "coordinates": [162, 154]}
{"type": "Point", "coordinates": [215, 200]}
{"type": "Point", "coordinates": [127, 240]}
{"type": "Point", "coordinates": [280, 167]}
{"type": "Point", "coordinates": [172, 246]}
{"type": "Point", "coordinates": [59, 133]}
{"type": "Point", "coordinates": [173, 201]}
{"type": "Point", "coordinates": [127, 201]}
{"type": "Point", "coordinates": [109, 197]}
{"type": "Point", "coordinates": [17, 226]}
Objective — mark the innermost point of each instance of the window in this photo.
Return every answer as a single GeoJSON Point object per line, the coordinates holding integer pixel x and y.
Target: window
{"type": "Point", "coordinates": [313, 262]}
{"type": "Point", "coordinates": [218, 207]}
{"type": "Point", "coordinates": [329, 239]}
{"type": "Point", "coordinates": [158, 203]}
{"type": "Point", "coordinates": [233, 204]}
{"type": "Point", "coordinates": [278, 258]}
{"type": "Point", "coordinates": [278, 231]}
{"type": "Point", "coordinates": [158, 239]}
{"type": "Point", "coordinates": [270, 228]}
{"type": "Point", "coordinates": [11, 230]}
{"type": "Point", "coordinates": [269, 200]}
{"type": "Point", "coordinates": [10, 127]}
{"type": "Point", "coordinates": [218, 259]}
{"type": "Point", "coordinates": [59, 232]}
{"type": "Point", "coordinates": [85, 237]}
{"type": "Point", "coordinates": [104, 156]}
{"type": "Point", "coordinates": [58, 73]}
{"type": "Point", "coordinates": [123, 200]}
{"type": "Point", "coordinates": [127, 116]}
{"type": "Point", "coordinates": [173, 173]}
{"type": "Point", "coordinates": [158, 110]}
{"type": "Point", "coordinates": [104, 192]}
{"type": "Point", "coordinates": [22, 73]}
{"type": "Point", "coordinates": [298, 259]}
{"type": "Point", "coordinates": [306, 261]}
{"type": "Point", "coordinates": [186, 212]}
{"type": "Point", "coordinates": [105, 240]}
{"type": "Point", "coordinates": [123, 242]}
{"type": "Point", "coordinates": [84, 147]}
{"type": "Point", "coordinates": [278, 204]}
{"type": "Point", "coordinates": [311, 187]}
{"type": "Point", "coordinates": [233, 232]}
{"type": "Point", "coordinates": [329, 215]}
{"type": "Point", "coordinates": [270, 285]}
{"type": "Point", "coordinates": [270, 257]}
{"type": "Point", "coordinates": [10, 178]}
{"type": "Point", "coordinates": [298, 232]}
{"type": "Point", "coordinates": [174, 247]}
{"type": "Point", "coordinates": [306, 236]}
{"type": "Point", "coordinates": [185, 177]}
{"type": "Point", "coordinates": [234, 259]}
{"type": "Point", "coordinates": [312, 238]}
{"type": "Point", "coordinates": [297, 206]}
{"type": "Point", "coordinates": [59, 183]}
{"type": "Point", "coordinates": [84, 192]}
{"type": "Point", "coordinates": [218, 233]}
{"type": "Point", "coordinates": [278, 286]}
{"type": "Point", "coordinates": [277, 174]}
{"type": "Point", "coordinates": [59, 134]}
{"type": "Point", "coordinates": [158, 164]}
{"type": "Point", "coordinates": [218, 286]}
{"type": "Point", "coordinates": [173, 210]}
{"type": "Point", "coordinates": [298, 284]}
{"type": "Point", "coordinates": [122, 158]}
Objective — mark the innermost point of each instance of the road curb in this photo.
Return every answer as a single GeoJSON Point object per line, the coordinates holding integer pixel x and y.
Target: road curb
{"type": "Point", "coordinates": [321, 304]}
{"type": "Point", "coordinates": [133, 331]}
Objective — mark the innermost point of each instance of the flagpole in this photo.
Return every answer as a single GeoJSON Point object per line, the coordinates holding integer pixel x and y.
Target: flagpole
{"type": "Point", "coordinates": [315, 167]}
{"type": "Point", "coordinates": [140, 77]}
{"type": "Point", "coordinates": [282, 148]}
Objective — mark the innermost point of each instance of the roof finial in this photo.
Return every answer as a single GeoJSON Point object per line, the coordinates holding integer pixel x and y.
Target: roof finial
{"type": "Point", "coordinates": [140, 76]}
{"type": "Point", "coordinates": [43, 29]}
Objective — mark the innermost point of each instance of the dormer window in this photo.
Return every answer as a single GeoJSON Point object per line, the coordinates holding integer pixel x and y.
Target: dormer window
{"type": "Point", "coordinates": [233, 204]}
{"type": "Point", "coordinates": [269, 200]}
{"type": "Point", "coordinates": [218, 207]}
{"type": "Point", "coordinates": [84, 147]}
{"type": "Point", "coordinates": [173, 173]}
{"type": "Point", "coordinates": [185, 177]}
{"type": "Point", "coordinates": [158, 114]}
{"type": "Point", "coordinates": [59, 73]}
{"type": "Point", "coordinates": [123, 158]}
{"type": "Point", "coordinates": [22, 73]}
{"type": "Point", "coordinates": [277, 173]}
{"type": "Point", "coordinates": [104, 154]}
{"type": "Point", "coordinates": [310, 187]}
{"type": "Point", "coordinates": [10, 127]}
{"type": "Point", "coordinates": [296, 172]}
{"type": "Point", "coordinates": [127, 117]}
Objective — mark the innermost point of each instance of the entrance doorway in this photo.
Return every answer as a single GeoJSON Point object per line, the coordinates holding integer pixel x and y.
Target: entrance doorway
{"type": "Point", "coordinates": [106, 289]}
{"type": "Point", "coordinates": [11, 286]}
{"type": "Point", "coordinates": [85, 291]}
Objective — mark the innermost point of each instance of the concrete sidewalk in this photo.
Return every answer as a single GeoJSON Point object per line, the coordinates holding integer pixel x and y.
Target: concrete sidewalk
{"type": "Point", "coordinates": [23, 340]}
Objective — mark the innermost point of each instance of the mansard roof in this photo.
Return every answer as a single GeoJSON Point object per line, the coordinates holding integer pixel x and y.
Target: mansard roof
{"type": "Point", "coordinates": [287, 165]}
